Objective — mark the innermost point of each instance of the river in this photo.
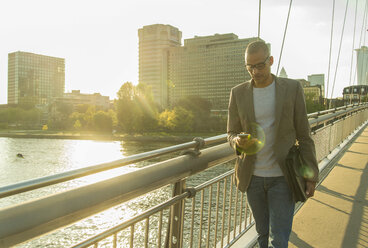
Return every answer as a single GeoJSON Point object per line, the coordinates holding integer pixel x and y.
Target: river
{"type": "Point", "coordinates": [43, 157]}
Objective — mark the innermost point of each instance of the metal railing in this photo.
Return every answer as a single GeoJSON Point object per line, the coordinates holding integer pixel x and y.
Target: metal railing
{"type": "Point", "coordinates": [217, 214]}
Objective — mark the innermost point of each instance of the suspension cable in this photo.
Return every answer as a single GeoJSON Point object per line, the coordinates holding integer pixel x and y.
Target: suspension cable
{"type": "Point", "coordinates": [283, 40]}
{"type": "Point", "coordinates": [338, 56]}
{"type": "Point", "coordinates": [259, 20]}
{"type": "Point", "coordinates": [329, 58]}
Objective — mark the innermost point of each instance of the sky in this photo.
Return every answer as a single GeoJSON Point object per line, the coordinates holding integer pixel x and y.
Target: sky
{"type": "Point", "coordinates": [99, 39]}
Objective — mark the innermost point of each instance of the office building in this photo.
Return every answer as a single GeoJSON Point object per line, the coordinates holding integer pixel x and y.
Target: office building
{"type": "Point", "coordinates": [317, 79]}
{"type": "Point", "coordinates": [154, 40]}
{"type": "Point", "coordinates": [362, 65]}
{"type": "Point", "coordinates": [355, 94]}
{"type": "Point", "coordinates": [207, 67]}
{"type": "Point", "coordinates": [76, 98]}
{"type": "Point", "coordinates": [311, 91]}
{"type": "Point", "coordinates": [34, 78]}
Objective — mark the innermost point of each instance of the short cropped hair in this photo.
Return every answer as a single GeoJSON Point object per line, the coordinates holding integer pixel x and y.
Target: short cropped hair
{"type": "Point", "coordinates": [256, 46]}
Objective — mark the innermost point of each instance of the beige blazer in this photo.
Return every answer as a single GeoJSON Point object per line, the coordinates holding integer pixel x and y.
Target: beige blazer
{"type": "Point", "coordinates": [291, 124]}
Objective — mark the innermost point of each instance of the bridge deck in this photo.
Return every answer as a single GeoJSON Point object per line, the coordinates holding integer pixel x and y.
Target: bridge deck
{"type": "Point", "coordinates": [337, 216]}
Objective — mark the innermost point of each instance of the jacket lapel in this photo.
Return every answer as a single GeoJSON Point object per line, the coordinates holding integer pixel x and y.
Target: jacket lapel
{"type": "Point", "coordinates": [280, 96]}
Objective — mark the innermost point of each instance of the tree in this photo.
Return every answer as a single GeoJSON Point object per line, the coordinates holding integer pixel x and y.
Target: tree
{"type": "Point", "coordinates": [88, 117]}
{"type": "Point", "coordinates": [102, 121]}
{"type": "Point", "coordinates": [147, 109]}
{"type": "Point", "coordinates": [311, 104]}
{"type": "Point", "coordinates": [77, 125]}
{"type": "Point", "coordinates": [59, 116]}
{"type": "Point", "coordinates": [179, 119]}
{"type": "Point", "coordinates": [82, 108]}
{"type": "Point", "coordinates": [32, 117]}
{"type": "Point", "coordinates": [201, 109]}
{"type": "Point", "coordinates": [124, 107]}
{"type": "Point", "coordinates": [135, 108]}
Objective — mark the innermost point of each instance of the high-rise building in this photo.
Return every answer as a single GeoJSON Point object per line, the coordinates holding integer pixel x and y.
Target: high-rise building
{"type": "Point", "coordinates": [154, 40]}
{"type": "Point", "coordinates": [362, 65]}
{"type": "Point", "coordinates": [317, 79]}
{"type": "Point", "coordinates": [207, 67]}
{"type": "Point", "coordinates": [34, 78]}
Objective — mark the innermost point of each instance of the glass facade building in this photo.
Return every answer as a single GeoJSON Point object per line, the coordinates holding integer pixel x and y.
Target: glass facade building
{"type": "Point", "coordinates": [362, 64]}
{"type": "Point", "coordinates": [318, 79]}
{"type": "Point", "coordinates": [34, 78]}
{"type": "Point", "coordinates": [207, 67]}
{"type": "Point", "coordinates": [154, 40]}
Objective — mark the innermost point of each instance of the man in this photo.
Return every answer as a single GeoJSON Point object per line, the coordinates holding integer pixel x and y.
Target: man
{"type": "Point", "coordinates": [272, 110]}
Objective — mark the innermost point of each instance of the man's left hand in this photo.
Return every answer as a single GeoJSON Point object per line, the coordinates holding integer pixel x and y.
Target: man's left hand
{"type": "Point", "coordinates": [310, 188]}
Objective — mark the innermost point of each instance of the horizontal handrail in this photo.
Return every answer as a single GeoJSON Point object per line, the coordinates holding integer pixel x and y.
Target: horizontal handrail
{"type": "Point", "coordinates": [323, 112]}
{"type": "Point", "coordinates": [77, 173]}
{"type": "Point", "coordinates": [333, 115]}
{"type": "Point", "coordinates": [67, 207]}
{"type": "Point", "coordinates": [197, 143]}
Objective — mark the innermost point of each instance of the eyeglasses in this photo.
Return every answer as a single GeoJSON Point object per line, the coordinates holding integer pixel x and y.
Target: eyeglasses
{"type": "Point", "coordinates": [259, 66]}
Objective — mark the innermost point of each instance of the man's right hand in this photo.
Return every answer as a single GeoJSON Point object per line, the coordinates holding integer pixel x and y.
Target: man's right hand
{"type": "Point", "coordinates": [244, 143]}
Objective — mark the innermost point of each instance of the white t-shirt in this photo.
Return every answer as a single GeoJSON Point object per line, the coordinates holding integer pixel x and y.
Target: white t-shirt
{"type": "Point", "coordinates": [264, 108]}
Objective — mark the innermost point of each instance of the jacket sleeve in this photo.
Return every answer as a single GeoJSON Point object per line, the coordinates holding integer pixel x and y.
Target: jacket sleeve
{"type": "Point", "coordinates": [233, 122]}
{"type": "Point", "coordinates": [303, 135]}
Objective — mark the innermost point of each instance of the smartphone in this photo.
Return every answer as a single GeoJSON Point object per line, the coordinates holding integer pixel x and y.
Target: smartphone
{"type": "Point", "coordinates": [243, 135]}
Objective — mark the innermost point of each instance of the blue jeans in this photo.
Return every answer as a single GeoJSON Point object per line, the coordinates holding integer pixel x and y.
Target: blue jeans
{"type": "Point", "coordinates": [273, 209]}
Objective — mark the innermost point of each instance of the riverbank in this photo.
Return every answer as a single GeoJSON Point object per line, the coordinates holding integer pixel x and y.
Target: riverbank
{"type": "Point", "coordinates": [38, 134]}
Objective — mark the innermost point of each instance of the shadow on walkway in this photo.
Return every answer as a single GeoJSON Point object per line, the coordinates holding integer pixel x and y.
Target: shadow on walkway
{"type": "Point", "coordinates": [299, 242]}
{"type": "Point", "coordinates": [338, 215]}
{"type": "Point", "coordinates": [356, 230]}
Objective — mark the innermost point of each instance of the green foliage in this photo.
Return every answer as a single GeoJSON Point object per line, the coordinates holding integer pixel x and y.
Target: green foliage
{"type": "Point", "coordinates": [179, 120]}
{"type": "Point", "coordinates": [102, 121]}
{"type": "Point", "coordinates": [311, 104]}
{"type": "Point", "coordinates": [201, 110]}
{"type": "Point", "coordinates": [77, 125]}
{"type": "Point", "coordinates": [135, 108]}
{"type": "Point", "coordinates": [90, 120]}
{"type": "Point", "coordinates": [82, 108]}
{"type": "Point", "coordinates": [59, 113]}
{"type": "Point", "coordinates": [20, 117]}
{"type": "Point", "coordinates": [4, 115]}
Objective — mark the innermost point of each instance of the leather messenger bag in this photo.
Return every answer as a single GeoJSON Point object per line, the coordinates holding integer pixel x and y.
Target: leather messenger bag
{"type": "Point", "coordinates": [295, 167]}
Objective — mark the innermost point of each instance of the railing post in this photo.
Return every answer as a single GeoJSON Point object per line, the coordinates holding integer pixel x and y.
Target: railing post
{"type": "Point", "coordinates": [175, 229]}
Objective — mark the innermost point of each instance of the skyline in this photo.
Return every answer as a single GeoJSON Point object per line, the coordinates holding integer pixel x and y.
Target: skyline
{"type": "Point", "coordinates": [100, 42]}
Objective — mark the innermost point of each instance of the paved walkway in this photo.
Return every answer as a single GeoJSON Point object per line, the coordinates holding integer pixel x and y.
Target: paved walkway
{"type": "Point", "coordinates": [337, 216]}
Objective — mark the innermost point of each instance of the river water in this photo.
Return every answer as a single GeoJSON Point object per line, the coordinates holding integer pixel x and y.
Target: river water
{"type": "Point", "coordinates": [43, 157]}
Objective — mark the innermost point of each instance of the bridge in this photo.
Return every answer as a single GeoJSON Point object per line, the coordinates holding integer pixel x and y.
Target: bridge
{"type": "Point", "coordinates": [197, 213]}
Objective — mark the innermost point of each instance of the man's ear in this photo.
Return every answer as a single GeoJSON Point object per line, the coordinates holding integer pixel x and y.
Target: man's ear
{"type": "Point", "coordinates": [271, 60]}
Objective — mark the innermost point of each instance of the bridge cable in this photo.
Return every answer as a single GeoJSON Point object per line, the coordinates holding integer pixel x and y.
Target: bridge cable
{"type": "Point", "coordinates": [338, 55]}
{"type": "Point", "coordinates": [364, 24]}
{"type": "Point", "coordinates": [352, 50]}
{"type": "Point", "coordinates": [283, 40]}
{"type": "Point", "coordinates": [329, 57]}
{"type": "Point", "coordinates": [259, 20]}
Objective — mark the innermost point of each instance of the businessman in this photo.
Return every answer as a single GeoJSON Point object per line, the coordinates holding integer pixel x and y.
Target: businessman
{"type": "Point", "coordinates": [272, 110]}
